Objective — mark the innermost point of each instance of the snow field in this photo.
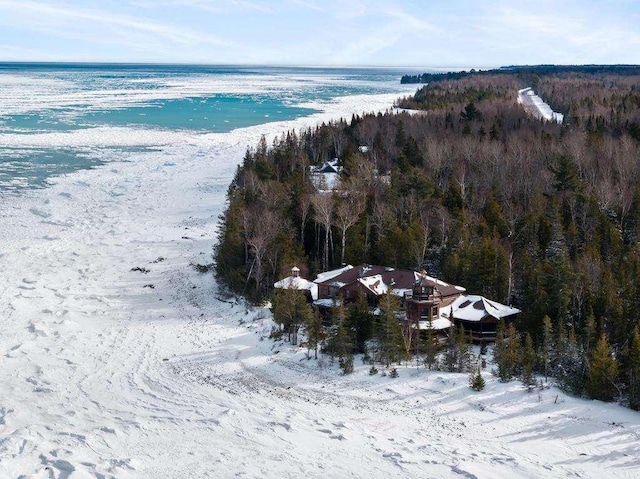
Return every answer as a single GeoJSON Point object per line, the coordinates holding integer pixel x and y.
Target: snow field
{"type": "Point", "coordinates": [109, 372]}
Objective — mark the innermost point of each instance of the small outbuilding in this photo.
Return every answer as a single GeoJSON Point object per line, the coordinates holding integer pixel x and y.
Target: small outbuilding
{"type": "Point", "coordinates": [479, 316]}
{"type": "Point", "coordinates": [296, 282]}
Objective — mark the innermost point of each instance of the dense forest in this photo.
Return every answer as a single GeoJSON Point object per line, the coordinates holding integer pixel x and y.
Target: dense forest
{"type": "Point", "coordinates": [539, 215]}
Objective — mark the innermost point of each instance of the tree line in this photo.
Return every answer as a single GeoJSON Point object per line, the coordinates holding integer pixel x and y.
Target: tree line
{"type": "Point", "coordinates": [539, 215]}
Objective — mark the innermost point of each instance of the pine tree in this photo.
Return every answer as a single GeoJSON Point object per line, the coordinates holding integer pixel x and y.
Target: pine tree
{"type": "Point", "coordinates": [390, 337]}
{"type": "Point", "coordinates": [513, 351]}
{"type": "Point", "coordinates": [476, 381]}
{"type": "Point", "coordinates": [451, 351]}
{"type": "Point", "coordinates": [633, 370]}
{"type": "Point", "coordinates": [589, 333]}
{"type": "Point", "coordinates": [291, 310]}
{"type": "Point", "coordinates": [603, 372]}
{"type": "Point", "coordinates": [360, 321]}
{"type": "Point", "coordinates": [528, 362]}
{"type": "Point", "coordinates": [547, 345]}
{"type": "Point", "coordinates": [430, 350]}
{"type": "Point", "coordinates": [464, 354]}
{"type": "Point", "coordinates": [303, 313]}
{"type": "Point", "coordinates": [506, 351]}
{"type": "Point", "coordinates": [569, 362]}
{"type": "Point", "coordinates": [343, 342]}
{"type": "Point", "coordinates": [336, 336]}
{"type": "Point", "coordinates": [500, 352]}
{"type": "Point", "coordinates": [315, 332]}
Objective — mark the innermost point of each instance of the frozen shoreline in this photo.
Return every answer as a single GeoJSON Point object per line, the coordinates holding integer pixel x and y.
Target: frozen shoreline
{"type": "Point", "coordinates": [109, 372]}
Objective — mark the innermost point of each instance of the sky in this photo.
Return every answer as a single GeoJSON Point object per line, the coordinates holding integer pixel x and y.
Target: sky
{"type": "Point", "coordinates": [420, 33]}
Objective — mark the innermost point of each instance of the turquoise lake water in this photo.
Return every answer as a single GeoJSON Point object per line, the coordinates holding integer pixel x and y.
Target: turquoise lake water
{"type": "Point", "coordinates": [40, 99]}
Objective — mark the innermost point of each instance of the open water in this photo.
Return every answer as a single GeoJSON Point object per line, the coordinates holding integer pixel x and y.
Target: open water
{"type": "Point", "coordinates": [58, 118]}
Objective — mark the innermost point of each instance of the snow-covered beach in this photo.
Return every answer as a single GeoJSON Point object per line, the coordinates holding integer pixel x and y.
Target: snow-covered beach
{"type": "Point", "coordinates": [120, 360]}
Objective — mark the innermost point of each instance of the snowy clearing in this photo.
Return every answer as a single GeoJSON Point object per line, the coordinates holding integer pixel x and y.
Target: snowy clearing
{"type": "Point", "coordinates": [120, 360]}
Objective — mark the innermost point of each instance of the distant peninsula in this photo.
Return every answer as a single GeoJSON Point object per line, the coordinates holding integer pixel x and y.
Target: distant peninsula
{"type": "Point", "coordinates": [523, 70]}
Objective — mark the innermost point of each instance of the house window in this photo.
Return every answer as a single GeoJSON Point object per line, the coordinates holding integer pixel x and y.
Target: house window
{"type": "Point", "coordinates": [434, 312]}
{"type": "Point", "coordinates": [333, 291]}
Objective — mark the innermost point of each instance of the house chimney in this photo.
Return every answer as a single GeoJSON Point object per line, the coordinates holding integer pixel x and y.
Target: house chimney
{"type": "Point", "coordinates": [295, 272]}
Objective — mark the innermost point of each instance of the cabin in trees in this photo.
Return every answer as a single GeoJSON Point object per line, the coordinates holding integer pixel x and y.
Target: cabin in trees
{"type": "Point", "coordinates": [326, 176]}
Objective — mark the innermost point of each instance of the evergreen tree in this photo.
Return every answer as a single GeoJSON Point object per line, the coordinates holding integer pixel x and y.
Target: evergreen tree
{"type": "Point", "coordinates": [633, 371]}
{"type": "Point", "coordinates": [506, 351]}
{"type": "Point", "coordinates": [569, 362]}
{"type": "Point", "coordinates": [476, 381]}
{"type": "Point", "coordinates": [291, 310]}
{"type": "Point", "coordinates": [315, 332]}
{"type": "Point", "coordinates": [464, 353]}
{"type": "Point", "coordinates": [528, 362]}
{"type": "Point", "coordinates": [589, 333]}
{"type": "Point", "coordinates": [500, 352]}
{"type": "Point", "coordinates": [360, 321]}
{"type": "Point", "coordinates": [343, 343]}
{"type": "Point", "coordinates": [547, 345]}
{"type": "Point", "coordinates": [390, 337]}
{"type": "Point", "coordinates": [566, 173]}
{"type": "Point", "coordinates": [513, 364]}
{"type": "Point", "coordinates": [337, 334]}
{"type": "Point", "coordinates": [603, 372]}
{"type": "Point", "coordinates": [451, 351]}
{"type": "Point", "coordinates": [430, 350]}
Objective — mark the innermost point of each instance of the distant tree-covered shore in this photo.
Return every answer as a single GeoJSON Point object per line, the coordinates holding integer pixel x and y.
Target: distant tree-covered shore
{"type": "Point", "coordinates": [524, 70]}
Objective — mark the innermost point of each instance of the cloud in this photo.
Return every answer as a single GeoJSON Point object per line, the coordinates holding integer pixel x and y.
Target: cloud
{"type": "Point", "coordinates": [372, 32]}
{"type": "Point", "coordinates": [213, 6]}
{"type": "Point", "coordinates": [309, 5]}
{"type": "Point", "coordinates": [48, 17]}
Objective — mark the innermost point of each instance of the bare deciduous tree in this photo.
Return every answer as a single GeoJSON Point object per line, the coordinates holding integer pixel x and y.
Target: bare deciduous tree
{"type": "Point", "coordinates": [261, 227]}
{"type": "Point", "coordinates": [323, 205]}
{"type": "Point", "coordinates": [348, 212]}
{"type": "Point", "coordinates": [305, 208]}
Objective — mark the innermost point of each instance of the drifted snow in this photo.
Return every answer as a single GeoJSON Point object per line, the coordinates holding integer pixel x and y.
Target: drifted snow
{"type": "Point", "coordinates": [104, 376]}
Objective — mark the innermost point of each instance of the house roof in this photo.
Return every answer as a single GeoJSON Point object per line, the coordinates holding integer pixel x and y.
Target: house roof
{"type": "Point", "coordinates": [326, 176]}
{"type": "Point", "coordinates": [475, 308]}
{"type": "Point", "coordinates": [327, 275]}
{"type": "Point", "coordinates": [445, 289]}
{"type": "Point", "coordinates": [375, 284]}
{"type": "Point", "coordinates": [399, 280]}
{"type": "Point", "coordinates": [292, 282]}
{"type": "Point", "coordinates": [437, 324]}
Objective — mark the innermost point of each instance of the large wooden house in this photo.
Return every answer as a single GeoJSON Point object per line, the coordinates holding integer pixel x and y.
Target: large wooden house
{"type": "Point", "coordinates": [429, 303]}
{"type": "Point", "coordinates": [375, 281]}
